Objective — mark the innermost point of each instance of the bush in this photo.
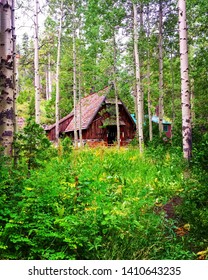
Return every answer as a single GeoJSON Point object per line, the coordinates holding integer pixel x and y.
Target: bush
{"type": "Point", "coordinates": [32, 145]}
{"type": "Point", "coordinates": [100, 203]}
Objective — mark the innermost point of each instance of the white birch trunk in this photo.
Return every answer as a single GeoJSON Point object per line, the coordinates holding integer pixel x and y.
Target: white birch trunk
{"type": "Point", "coordinates": [49, 77]}
{"type": "Point", "coordinates": [148, 77]}
{"type": "Point", "coordinates": [57, 75]}
{"type": "Point", "coordinates": [185, 91]}
{"type": "Point", "coordinates": [36, 63]}
{"type": "Point", "coordinates": [6, 78]}
{"type": "Point", "coordinates": [80, 109]}
{"type": "Point", "coordinates": [138, 81]}
{"type": "Point", "coordinates": [116, 93]}
{"type": "Point", "coordinates": [161, 89]}
{"type": "Point", "coordinates": [192, 99]}
{"type": "Point", "coordinates": [141, 37]}
{"type": "Point", "coordinates": [14, 80]}
{"type": "Point", "coordinates": [46, 78]}
{"type": "Point", "coordinates": [173, 94]}
{"type": "Point", "coordinates": [74, 78]}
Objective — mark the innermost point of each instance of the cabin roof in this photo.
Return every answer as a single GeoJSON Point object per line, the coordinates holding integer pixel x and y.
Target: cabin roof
{"type": "Point", "coordinates": [49, 127]}
{"type": "Point", "coordinates": [90, 105]}
{"type": "Point", "coordinates": [155, 119]}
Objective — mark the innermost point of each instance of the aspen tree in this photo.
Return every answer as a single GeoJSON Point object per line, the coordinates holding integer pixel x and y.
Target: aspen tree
{"type": "Point", "coordinates": [80, 75]}
{"type": "Point", "coordinates": [80, 108]}
{"type": "Point", "coordinates": [172, 91]}
{"type": "Point", "coordinates": [14, 80]}
{"type": "Point", "coordinates": [57, 73]}
{"type": "Point", "coordinates": [138, 81]}
{"type": "Point", "coordinates": [36, 62]}
{"type": "Point", "coordinates": [185, 90]}
{"type": "Point", "coordinates": [74, 76]}
{"type": "Point", "coordinates": [14, 63]}
{"type": "Point", "coordinates": [6, 77]}
{"type": "Point", "coordinates": [116, 91]}
{"type": "Point", "coordinates": [161, 89]}
{"type": "Point", "coordinates": [148, 76]}
{"type": "Point", "coordinates": [48, 79]}
{"type": "Point", "coordinates": [141, 53]}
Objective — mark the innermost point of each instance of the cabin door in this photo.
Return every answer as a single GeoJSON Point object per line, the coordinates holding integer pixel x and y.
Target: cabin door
{"type": "Point", "coordinates": [112, 134]}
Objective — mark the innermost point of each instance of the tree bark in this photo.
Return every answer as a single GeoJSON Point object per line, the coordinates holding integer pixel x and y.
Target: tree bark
{"type": "Point", "coordinates": [49, 77]}
{"type": "Point", "coordinates": [173, 93]}
{"type": "Point", "coordinates": [185, 91]}
{"type": "Point", "coordinates": [36, 62]}
{"type": "Point", "coordinates": [80, 108]}
{"type": "Point", "coordinates": [141, 53]}
{"type": "Point", "coordinates": [14, 81]}
{"type": "Point", "coordinates": [116, 92]}
{"type": "Point", "coordinates": [192, 100]}
{"type": "Point", "coordinates": [138, 81]}
{"type": "Point", "coordinates": [6, 78]}
{"type": "Point", "coordinates": [161, 89]}
{"type": "Point", "coordinates": [57, 74]}
{"type": "Point", "coordinates": [148, 76]}
{"type": "Point", "coordinates": [74, 78]}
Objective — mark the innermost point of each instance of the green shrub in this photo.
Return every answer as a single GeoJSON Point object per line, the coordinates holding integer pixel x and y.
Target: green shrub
{"type": "Point", "coordinates": [101, 203]}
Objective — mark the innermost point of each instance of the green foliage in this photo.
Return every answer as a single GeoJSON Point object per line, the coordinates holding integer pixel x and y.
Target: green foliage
{"type": "Point", "coordinates": [31, 144]}
{"type": "Point", "coordinates": [200, 146]}
{"type": "Point", "coordinates": [99, 204]}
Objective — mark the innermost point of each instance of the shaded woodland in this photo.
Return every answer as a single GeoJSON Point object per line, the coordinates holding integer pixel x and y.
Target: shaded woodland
{"type": "Point", "coordinates": [64, 199]}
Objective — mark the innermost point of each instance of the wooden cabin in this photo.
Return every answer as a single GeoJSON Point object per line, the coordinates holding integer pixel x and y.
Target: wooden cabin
{"type": "Point", "coordinates": [155, 119]}
{"type": "Point", "coordinates": [166, 125]}
{"type": "Point", "coordinates": [97, 116]}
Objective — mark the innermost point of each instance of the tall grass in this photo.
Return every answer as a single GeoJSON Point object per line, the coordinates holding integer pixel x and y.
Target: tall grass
{"type": "Point", "coordinates": [100, 203]}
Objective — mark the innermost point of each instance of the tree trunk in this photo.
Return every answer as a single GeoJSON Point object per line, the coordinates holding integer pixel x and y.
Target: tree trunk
{"type": "Point", "coordinates": [138, 81]}
{"type": "Point", "coordinates": [74, 78]}
{"type": "Point", "coordinates": [6, 78]}
{"type": "Point", "coordinates": [192, 100]}
{"type": "Point", "coordinates": [46, 78]}
{"type": "Point", "coordinates": [148, 76]}
{"type": "Point", "coordinates": [14, 80]}
{"type": "Point", "coordinates": [36, 63]}
{"type": "Point", "coordinates": [161, 89]}
{"type": "Point", "coordinates": [49, 77]}
{"type": "Point", "coordinates": [173, 93]}
{"type": "Point", "coordinates": [185, 91]}
{"type": "Point", "coordinates": [141, 54]}
{"type": "Point", "coordinates": [80, 109]}
{"type": "Point", "coordinates": [57, 74]}
{"type": "Point", "coordinates": [116, 92]}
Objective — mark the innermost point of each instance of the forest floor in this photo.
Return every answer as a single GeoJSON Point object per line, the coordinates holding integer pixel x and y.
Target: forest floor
{"type": "Point", "coordinates": [104, 203]}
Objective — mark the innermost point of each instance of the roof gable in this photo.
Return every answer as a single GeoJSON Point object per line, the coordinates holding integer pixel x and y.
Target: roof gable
{"type": "Point", "coordinates": [90, 105]}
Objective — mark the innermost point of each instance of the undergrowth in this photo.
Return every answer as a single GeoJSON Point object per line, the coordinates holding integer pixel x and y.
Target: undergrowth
{"type": "Point", "coordinates": [101, 203]}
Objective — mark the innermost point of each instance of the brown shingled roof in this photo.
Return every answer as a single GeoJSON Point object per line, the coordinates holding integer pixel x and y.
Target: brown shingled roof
{"type": "Point", "coordinates": [90, 105]}
{"type": "Point", "coordinates": [49, 127]}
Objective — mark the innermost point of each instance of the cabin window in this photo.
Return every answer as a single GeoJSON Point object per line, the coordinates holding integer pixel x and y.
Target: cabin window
{"type": "Point", "coordinates": [165, 128]}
